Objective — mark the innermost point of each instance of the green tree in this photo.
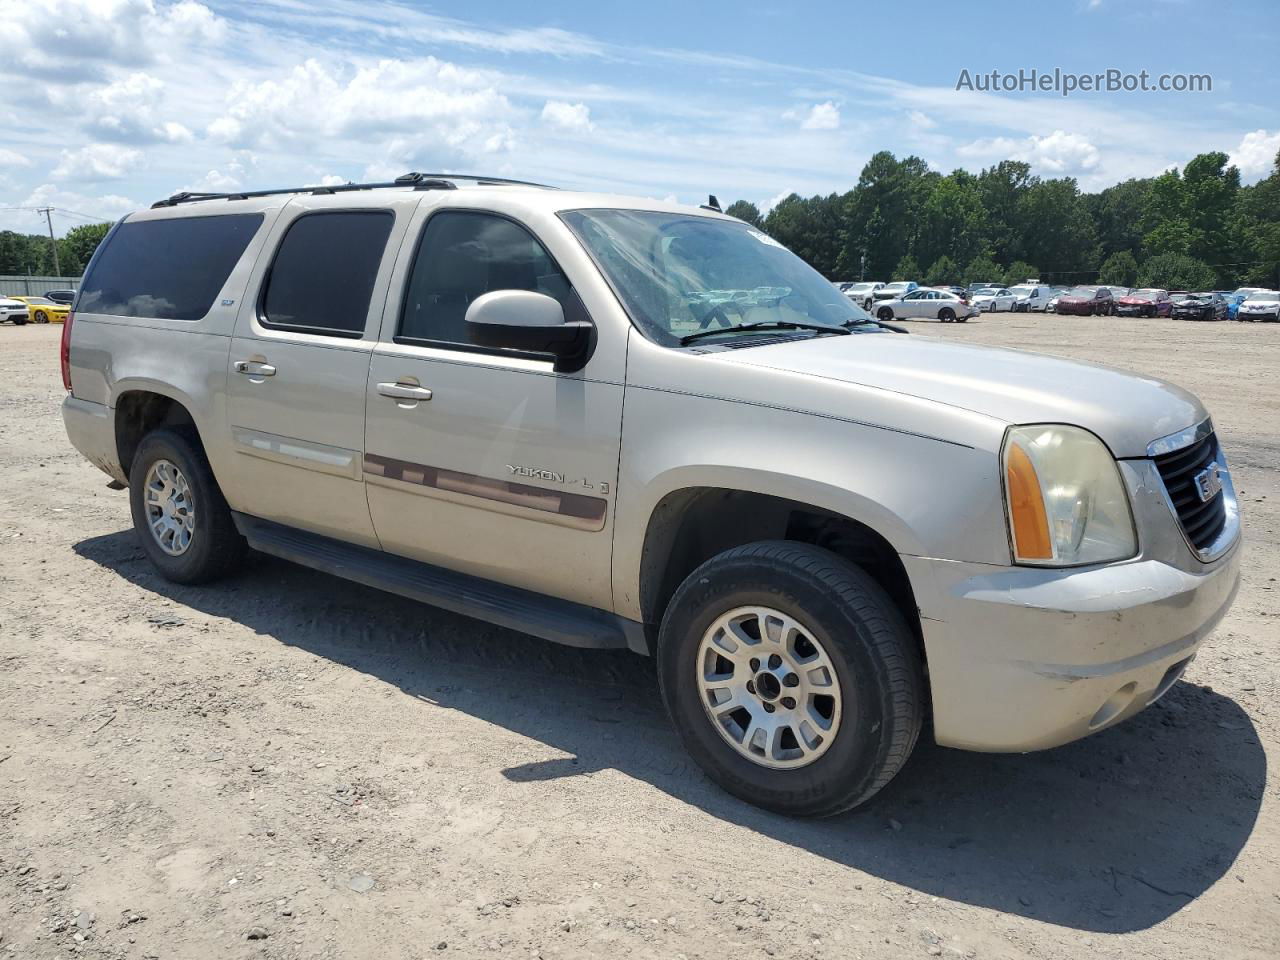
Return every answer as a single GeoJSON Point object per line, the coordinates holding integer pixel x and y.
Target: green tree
{"type": "Point", "coordinates": [1002, 188]}
{"type": "Point", "coordinates": [811, 228]}
{"type": "Point", "coordinates": [1117, 214]}
{"type": "Point", "coordinates": [1176, 271]}
{"type": "Point", "coordinates": [1120, 268]}
{"type": "Point", "coordinates": [907, 269]}
{"type": "Point", "coordinates": [952, 220]}
{"type": "Point", "coordinates": [1057, 232]}
{"type": "Point", "coordinates": [80, 243]}
{"type": "Point", "coordinates": [982, 270]}
{"type": "Point", "coordinates": [881, 215]}
{"type": "Point", "coordinates": [1020, 272]}
{"type": "Point", "coordinates": [745, 210]}
{"type": "Point", "coordinates": [944, 272]}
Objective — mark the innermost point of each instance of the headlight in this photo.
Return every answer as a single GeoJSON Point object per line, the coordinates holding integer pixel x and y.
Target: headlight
{"type": "Point", "coordinates": [1065, 500]}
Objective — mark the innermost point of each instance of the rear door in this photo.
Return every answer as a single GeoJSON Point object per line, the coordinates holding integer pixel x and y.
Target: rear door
{"type": "Point", "coordinates": [299, 363]}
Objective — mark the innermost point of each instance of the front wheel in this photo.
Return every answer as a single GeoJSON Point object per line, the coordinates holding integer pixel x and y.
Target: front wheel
{"type": "Point", "coordinates": [41, 317]}
{"type": "Point", "coordinates": [182, 519]}
{"type": "Point", "coordinates": [885, 314]}
{"type": "Point", "coordinates": [791, 677]}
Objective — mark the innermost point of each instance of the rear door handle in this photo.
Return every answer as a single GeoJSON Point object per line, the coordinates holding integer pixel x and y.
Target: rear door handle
{"type": "Point", "coordinates": [255, 368]}
{"type": "Point", "coordinates": [404, 391]}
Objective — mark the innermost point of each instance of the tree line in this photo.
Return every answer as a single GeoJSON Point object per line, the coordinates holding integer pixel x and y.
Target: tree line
{"type": "Point", "coordinates": [1196, 228]}
{"type": "Point", "coordinates": [31, 254]}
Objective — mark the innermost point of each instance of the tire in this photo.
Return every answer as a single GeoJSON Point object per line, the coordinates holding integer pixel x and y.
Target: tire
{"type": "Point", "coordinates": [867, 304]}
{"type": "Point", "coordinates": [874, 668]}
{"type": "Point", "coordinates": [19, 321]}
{"type": "Point", "coordinates": [41, 317]}
{"type": "Point", "coordinates": [884, 314]}
{"type": "Point", "coordinates": [215, 548]}
{"type": "Point", "coordinates": [947, 315]}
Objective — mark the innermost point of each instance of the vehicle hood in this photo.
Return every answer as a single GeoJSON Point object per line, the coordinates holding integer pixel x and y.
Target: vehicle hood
{"type": "Point", "coordinates": [1066, 299]}
{"type": "Point", "coordinates": [1134, 301]}
{"type": "Point", "coordinates": [1256, 304]}
{"type": "Point", "coordinates": [1126, 410]}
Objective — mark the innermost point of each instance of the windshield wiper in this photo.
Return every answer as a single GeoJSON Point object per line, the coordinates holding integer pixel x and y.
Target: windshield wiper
{"type": "Point", "coordinates": [766, 325]}
{"type": "Point", "coordinates": [872, 322]}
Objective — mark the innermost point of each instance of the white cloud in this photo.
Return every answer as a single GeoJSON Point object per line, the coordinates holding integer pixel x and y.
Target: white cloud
{"type": "Point", "coordinates": [773, 201]}
{"type": "Point", "coordinates": [921, 121]}
{"type": "Point", "coordinates": [1256, 153]}
{"type": "Point", "coordinates": [127, 111]}
{"type": "Point", "coordinates": [574, 117]}
{"type": "Point", "coordinates": [425, 109]}
{"type": "Point", "coordinates": [11, 158]}
{"type": "Point", "coordinates": [1058, 154]}
{"type": "Point", "coordinates": [820, 116]}
{"type": "Point", "coordinates": [97, 161]}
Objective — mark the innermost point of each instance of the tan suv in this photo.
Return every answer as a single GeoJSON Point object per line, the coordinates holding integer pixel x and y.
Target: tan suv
{"type": "Point", "coordinates": [614, 422]}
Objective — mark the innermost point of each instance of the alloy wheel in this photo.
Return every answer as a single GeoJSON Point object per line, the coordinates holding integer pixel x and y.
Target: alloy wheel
{"type": "Point", "coordinates": [171, 515]}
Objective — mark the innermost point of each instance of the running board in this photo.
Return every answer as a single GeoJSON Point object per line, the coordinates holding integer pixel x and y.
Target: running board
{"type": "Point", "coordinates": [550, 618]}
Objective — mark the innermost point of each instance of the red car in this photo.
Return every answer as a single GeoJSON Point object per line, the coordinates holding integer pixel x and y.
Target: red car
{"type": "Point", "coordinates": [1147, 302]}
{"type": "Point", "coordinates": [1087, 301]}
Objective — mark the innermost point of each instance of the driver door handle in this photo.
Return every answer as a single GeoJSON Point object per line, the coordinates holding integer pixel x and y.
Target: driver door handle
{"type": "Point", "coordinates": [255, 368]}
{"type": "Point", "coordinates": [404, 391]}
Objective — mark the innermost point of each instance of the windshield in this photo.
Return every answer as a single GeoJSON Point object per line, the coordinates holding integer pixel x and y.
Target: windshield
{"type": "Point", "coordinates": [1141, 295]}
{"type": "Point", "coordinates": [679, 274]}
{"type": "Point", "coordinates": [39, 300]}
{"type": "Point", "coordinates": [1244, 291]}
{"type": "Point", "coordinates": [1080, 292]}
{"type": "Point", "coordinates": [1264, 295]}
{"type": "Point", "coordinates": [898, 285]}
{"type": "Point", "coordinates": [861, 287]}
{"type": "Point", "coordinates": [1022, 291]}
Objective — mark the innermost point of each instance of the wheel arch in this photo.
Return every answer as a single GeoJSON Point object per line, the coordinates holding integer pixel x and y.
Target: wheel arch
{"type": "Point", "coordinates": [692, 524]}
{"type": "Point", "coordinates": [141, 407]}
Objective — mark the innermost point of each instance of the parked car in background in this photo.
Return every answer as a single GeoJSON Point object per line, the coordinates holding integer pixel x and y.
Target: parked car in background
{"type": "Point", "coordinates": [891, 291]}
{"type": "Point", "coordinates": [1052, 305]}
{"type": "Point", "coordinates": [864, 294]}
{"type": "Point", "coordinates": [61, 296]}
{"type": "Point", "coordinates": [15, 311]}
{"type": "Point", "coordinates": [44, 310]}
{"type": "Point", "coordinates": [1262, 305]}
{"type": "Point", "coordinates": [927, 303]}
{"type": "Point", "coordinates": [985, 285]}
{"type": "Point", "coordinates": [1237, 297]}
{"type": "Point", "coordinates": [1198, 306]}
{"type": "Point", "coordinates": [1117, 291]}
{"type": "Point", "coordinates": [1147, 302]}
{"type": "Point", "coordinates": [1086, 301]}
{"type": "Point", "coordinates": [994, 300]}
{"type": "Point", "coordinates": [1031, 297]}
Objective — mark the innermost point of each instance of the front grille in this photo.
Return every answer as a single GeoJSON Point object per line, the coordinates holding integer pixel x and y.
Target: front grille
{"type": "Point", "coordinates": [1201, 520]}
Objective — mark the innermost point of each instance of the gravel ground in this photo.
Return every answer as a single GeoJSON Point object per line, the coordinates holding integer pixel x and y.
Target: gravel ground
{"type": "Point", "coordinates": [287, 765]}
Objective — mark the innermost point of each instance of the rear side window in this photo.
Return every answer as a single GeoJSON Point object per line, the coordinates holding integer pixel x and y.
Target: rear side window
{"type": "Point", "coordinates": [170, 269]}
{"type": "Point", "coordinates": [322, 278]}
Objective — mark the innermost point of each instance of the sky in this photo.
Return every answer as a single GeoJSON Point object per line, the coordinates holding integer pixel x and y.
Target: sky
{"type": "Point", "coordinates": [109, 105]}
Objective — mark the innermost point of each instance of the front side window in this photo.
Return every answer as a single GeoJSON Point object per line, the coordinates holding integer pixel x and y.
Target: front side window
{"type": "Point", "coordinates": [170, 268]}
{"type": "Point", "coordinates": [465, 254]}
{"type": "Point", "coordinates": [321, 280]}
{"type": "Point", "coordinates": [679, 274]}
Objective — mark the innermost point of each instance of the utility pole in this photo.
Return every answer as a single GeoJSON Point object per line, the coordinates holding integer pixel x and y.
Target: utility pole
{"type": "Point", "coordinates": [57, 269]}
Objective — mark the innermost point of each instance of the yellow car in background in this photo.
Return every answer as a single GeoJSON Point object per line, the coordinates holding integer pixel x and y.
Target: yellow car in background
{"type": "Point", "coordinates": [44, 310]}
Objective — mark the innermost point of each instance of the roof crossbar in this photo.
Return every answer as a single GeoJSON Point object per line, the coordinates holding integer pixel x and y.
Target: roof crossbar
{"type": "Point", "coordinates": [419, 181]}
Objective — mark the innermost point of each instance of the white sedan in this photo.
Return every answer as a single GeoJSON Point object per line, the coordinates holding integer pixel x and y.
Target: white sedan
{"type": "Point", "coordinates": [15, 310]}
{"type": "Point", "coordinates": [994, 299]}
{"type": "Point", "coordinates": [926, 304]}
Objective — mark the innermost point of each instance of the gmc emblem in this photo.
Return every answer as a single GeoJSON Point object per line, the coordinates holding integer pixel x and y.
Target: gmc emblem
{"type": "Point", "coordinates": [1209, 482]}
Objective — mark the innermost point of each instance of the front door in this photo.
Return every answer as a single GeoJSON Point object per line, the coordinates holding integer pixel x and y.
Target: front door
{"type": "Point", "coordinates": [482, 461]}
{"type": "Point", "coordinates": [299, 364]}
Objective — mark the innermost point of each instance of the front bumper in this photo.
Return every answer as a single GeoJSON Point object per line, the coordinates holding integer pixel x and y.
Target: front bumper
{"type": "Point", "coordinates": [1258, 315]}
{"type": "Point", "coordinates": [91, 430]}
{"type": "Point", "coordinates": [1024, 659]}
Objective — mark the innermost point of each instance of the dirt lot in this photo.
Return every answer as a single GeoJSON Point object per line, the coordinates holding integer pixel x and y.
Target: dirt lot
{"type": "Point", "coordinates": [287, 765]}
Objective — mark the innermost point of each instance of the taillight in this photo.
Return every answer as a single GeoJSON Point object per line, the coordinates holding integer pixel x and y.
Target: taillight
{"type": "Point", "coordinates": [65, 352]}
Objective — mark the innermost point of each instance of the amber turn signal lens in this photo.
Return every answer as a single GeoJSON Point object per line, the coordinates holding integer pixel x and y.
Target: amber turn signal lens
{"type": "Point", "coordinates": [1026, 507]}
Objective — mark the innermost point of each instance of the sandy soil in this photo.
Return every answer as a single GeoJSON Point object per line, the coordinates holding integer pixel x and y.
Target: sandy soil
{"type": "Point", "coordinates": [287, 765]}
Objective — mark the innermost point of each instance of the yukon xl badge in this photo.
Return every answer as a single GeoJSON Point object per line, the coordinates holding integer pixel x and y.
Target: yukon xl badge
{"type": "Point", "coordinates": [537, 473]}
{"type": "Point", "coordinates": [1209, 482]}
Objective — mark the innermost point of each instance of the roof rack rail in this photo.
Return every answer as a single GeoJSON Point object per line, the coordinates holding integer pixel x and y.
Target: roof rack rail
{"type": "Point", "coordinates": [419, 181]}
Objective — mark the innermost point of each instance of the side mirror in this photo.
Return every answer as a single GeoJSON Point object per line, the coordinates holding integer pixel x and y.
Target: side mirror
{"type": "Point", "coordinates": [529, 322]}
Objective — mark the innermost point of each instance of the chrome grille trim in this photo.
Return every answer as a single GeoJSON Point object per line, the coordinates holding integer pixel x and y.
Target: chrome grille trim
{"type": "Point", "coordinates": [1209, 527]}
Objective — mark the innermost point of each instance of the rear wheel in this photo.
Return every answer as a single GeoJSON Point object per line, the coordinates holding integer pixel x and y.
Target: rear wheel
{"type": "Point", "coordinates": [182, 519]}
{"type": "Point", "coordinates": [791, 677]}
{"type": "Point", "coordinates": [947, 315]}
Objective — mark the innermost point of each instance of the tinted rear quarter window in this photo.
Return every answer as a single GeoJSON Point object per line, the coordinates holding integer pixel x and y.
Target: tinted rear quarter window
{"type": "Point", "coordinates": [322, 277]}
{"type": "Point", "coordinates": [170, 269]}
